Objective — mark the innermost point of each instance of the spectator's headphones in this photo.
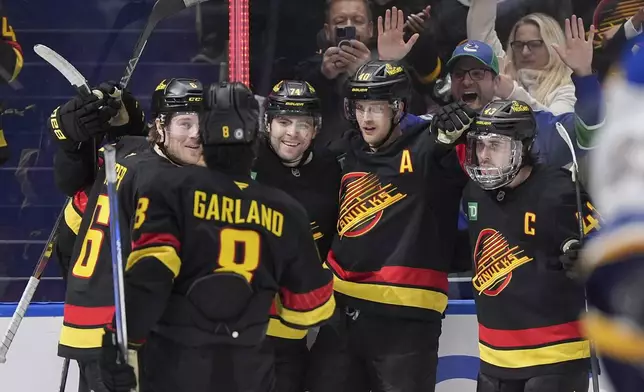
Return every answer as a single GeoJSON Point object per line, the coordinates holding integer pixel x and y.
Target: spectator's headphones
{"type": "Point", "coordinates": [231, 115]}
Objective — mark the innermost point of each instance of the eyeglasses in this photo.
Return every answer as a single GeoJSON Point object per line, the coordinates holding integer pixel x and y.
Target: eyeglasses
{"type": "Point", "coordinates": [476, 74]}
{"type": "Point", "coordinates": [532, 45]}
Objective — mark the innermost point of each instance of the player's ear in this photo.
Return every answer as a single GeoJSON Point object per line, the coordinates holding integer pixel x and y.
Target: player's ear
{"type": "Point", "coordinates": [159, 130]}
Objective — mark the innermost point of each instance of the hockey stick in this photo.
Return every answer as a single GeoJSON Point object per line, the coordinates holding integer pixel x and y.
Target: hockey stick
{"type": "Point", "coordinates": [130, 13]}
{"type": "Point", "coordinates": [594, 362]}
{"type": "Point", "coordinates": [162, 9]}
{"type": "Point", "coordinates": [63, 376]}
{"type": "Point", "coordinates": [80, 84]}
{"type": "Point", "coordinates": [28, 294]}
{"type": "Point", "coordinates": [118, 269]}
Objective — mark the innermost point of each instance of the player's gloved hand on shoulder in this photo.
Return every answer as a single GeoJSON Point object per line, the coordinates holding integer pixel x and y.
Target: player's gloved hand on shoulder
{"type": "Point", "coordinates": [83, 118]}
{"type": "Point", "coordinates": [117, 376]}
{"type": "Point", "coordinates": [569, 257]}
{"type": "Point", "coordinates": [452, 121]}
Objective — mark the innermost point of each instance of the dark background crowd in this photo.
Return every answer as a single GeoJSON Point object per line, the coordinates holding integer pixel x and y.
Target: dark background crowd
{"type": "Point", "coordinates": [289, 39]}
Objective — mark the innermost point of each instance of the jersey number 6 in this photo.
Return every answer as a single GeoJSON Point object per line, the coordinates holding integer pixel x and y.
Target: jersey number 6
{"type": "Point", "coordinates": [85, 264]}
{"type": "Point", "coordinates": [249, 243]}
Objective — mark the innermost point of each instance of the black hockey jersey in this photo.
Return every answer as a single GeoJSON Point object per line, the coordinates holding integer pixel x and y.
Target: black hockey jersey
{"type": "Point", "coordinates": [315, 186]}
{"type": "Point", "coordinates": [528, 309]}
{"type": "Point", "coordinates": [194, 224]}
{"type": "Point", "coordinates": [397, 225]}
{"type": "Point", "coordinates": [68, 230]}
{"type": "Point", "coordinates": [89, 300]}
{"type": "Point", "coordinates": [75, 207]}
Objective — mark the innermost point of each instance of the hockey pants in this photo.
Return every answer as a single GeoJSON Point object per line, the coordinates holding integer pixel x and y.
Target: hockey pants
{"type": "Point", "coordinates": [357, 352]}
{"type": "Point", "coordinates": [572, 382]}
{"type": "Point", "coordinates": [172, 367]}
{"type": "Point", "coordinates": [291, 358]}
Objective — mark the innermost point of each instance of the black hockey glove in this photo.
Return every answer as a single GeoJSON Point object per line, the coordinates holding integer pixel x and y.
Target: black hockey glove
{"type": "Point", "coordinates": [82, 118]}
{"type": "Point", "coordinates": [117, 376]}
{"type": "Point", "coordinates": [568, 259]}
{"type": "Point", "coordinates": [452, 121]}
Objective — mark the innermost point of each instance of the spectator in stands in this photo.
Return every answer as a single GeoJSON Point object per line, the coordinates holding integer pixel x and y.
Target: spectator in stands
{"type": "Point", "coordinates": [530, 69]}
{"type": "Point", "coordinates": [328, 71]}
{"type": "Point", "coordinates": [10, 66]}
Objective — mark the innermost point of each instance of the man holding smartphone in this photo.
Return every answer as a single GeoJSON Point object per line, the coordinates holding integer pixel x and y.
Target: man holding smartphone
{"type": "Point", "coordinates": [348, 32]}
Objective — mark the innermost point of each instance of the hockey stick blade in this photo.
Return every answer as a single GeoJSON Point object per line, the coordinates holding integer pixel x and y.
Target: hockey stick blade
{"type": "Point", "coordinates": [566, 138]}
{"type": "Point", "coordinates": [73, 76]}
{"type": "Point", "coordinates": [162, 9]}
{"type": "Point", "coordinates": [29, 292]}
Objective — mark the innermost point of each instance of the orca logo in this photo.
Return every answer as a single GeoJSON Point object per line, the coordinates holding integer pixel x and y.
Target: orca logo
{"type": "Point", "coordinates": [471, 47]}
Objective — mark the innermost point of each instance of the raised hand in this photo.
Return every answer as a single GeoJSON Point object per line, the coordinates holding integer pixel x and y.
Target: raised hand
{"type": "Point", "coordinates": [391, 44]}
{"type": "Point", "coordinates": [578, 50]}
{"type": "Point", "coordinates": [416, 22]}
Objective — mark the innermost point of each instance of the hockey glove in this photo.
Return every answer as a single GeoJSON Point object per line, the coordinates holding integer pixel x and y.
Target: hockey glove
{"type": "Point", "coordinates": [117, 376]}
{"type": "Point", "coordinates": [82, 118]}
{"type": "Point", "coordinates": [568, 259]}
{"type": "Point", "coordinates": [452, 121]}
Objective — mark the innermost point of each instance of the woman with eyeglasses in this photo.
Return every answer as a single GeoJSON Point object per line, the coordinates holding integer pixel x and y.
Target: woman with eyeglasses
{"type": "Point", "coordinates": [531, 68]}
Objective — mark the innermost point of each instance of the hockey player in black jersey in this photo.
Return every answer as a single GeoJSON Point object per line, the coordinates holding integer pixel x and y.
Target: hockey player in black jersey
{"type": "Point", "coordinates": [524, 229]}
{"type": "Point", "coordinates": [211, 249]}
{"type": "Point", "coordinates": [174, 139]}
{"type": "Point", "coordinates": [399, 200]}
{"type": "Point", "coordinates": [287, 160]}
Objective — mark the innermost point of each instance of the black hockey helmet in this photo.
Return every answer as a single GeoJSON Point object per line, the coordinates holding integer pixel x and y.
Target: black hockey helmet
{"type": "Point", "coordinates": [177, 95]}
{"type": "Point", "coordinates": [511, 118]}
{"type": "Point", "coordinates": [229, 128]}
{"type": "Point", "coordinates": [293, 98]}
{"type": "Point", "coordinates": [231, 115]}
{"type": "Point", "coordinates": [380, 80]}
{"type": "Point", "coordinates": [507, 127]}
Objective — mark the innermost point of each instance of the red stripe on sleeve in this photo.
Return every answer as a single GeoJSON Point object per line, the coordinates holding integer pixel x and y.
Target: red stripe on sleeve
{"type": "Point", "coordinates": [86, 316]}
{"type": "Point", "coordinates": [529, 337]}
{"type": "Point", "coordinates": [156, 239]}
{"type": "Point", "coordinates": [273, 311]}
{"type": "Point", "coordinates": [306, 301]}
{"type": "Point", "coordinates": [409, 276]}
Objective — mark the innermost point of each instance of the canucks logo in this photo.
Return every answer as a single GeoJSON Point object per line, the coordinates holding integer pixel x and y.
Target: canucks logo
{"type": "Point", "coordinates": [362, 202]}
{"type": "Point", "coordinates": [495, 260]}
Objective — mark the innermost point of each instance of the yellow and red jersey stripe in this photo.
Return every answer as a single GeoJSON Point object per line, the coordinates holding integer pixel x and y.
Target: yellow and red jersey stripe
{"type": "Point", "coordinates": [421, 288]}
{"type": "Point", "coordinates": [164, 247]}
{"type": "Point", "coordinates": [305, 310]}
{"type": "Point", "coordinates": [532, 347]}
{"type": "Point", "coordinates": [277, 329]}
{"type": "Point", "coordinates": [83, 327]}
{"type": "Point", "coordinates": [74, 211]}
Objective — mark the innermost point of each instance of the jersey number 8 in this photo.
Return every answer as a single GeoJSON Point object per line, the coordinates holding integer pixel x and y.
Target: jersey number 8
{"type": "Point", "coordinates": [250, 242]}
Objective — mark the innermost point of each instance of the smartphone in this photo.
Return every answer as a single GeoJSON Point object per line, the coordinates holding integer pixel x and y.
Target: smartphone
{"type": "Point", "coordinates": [344, 34]}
